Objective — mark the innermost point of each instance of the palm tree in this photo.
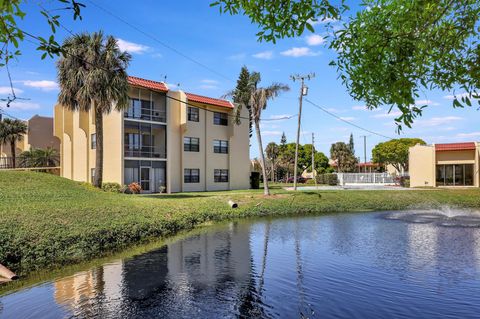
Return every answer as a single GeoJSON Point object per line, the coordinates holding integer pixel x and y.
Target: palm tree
{"type": "Point", "coordinates": [272, 151]}
{"type": "Point", "coordinates": [92, 75]}
{"type": "Point", "coordinates": [38, 157]}
{"type": "Point", "coordinates": [11, 132]}
{"type": "Point", "coordinates": [258, 102]}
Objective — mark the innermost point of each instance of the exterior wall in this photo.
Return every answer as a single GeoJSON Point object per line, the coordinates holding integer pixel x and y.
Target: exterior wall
{"type": "Point", "coordinates": [176, 122]}
{"type": "Point", "coordinates": [240, 154]}
{"type": "Point", "coordinates": [422, 166]}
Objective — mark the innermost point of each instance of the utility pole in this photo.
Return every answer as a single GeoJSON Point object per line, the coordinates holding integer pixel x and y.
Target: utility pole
{"type": "Point", "coordinates": [365, 151]}
{"type": "Point", "coordinates": [303, 91]}
{"type": "Point", "coordinates": [313, 160]}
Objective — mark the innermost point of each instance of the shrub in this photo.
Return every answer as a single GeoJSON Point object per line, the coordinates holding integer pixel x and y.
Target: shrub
{"type": "Point", "coordinates": [403, 181]}
{"type": "Point", "coordinates": [135, 188]}
{"type": "Point", "coordinates": [111, 187]}
{"type": "Point", "coordinates": [327, 179]}
{"type": "Point", "coordinates": [254, 180]}
{"type": "Point", "coordinates": [310, 181]}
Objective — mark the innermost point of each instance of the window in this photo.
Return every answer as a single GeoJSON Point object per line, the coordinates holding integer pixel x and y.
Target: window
{"type": "Point", "coordinates": [193, 114]}
{"type": "Point", "coordinates": [191, 175]}
{"type": "Point", "coordinates": [220, 146]}
{"type": "Point", "coordinates": [92, 175]}
{"type": "Point", "coordinates": [93, 141]}
{"type": "Point", "coordinates": [220, 175]}
{"type": "Point", "coordinates": [191, 144]}
{"type": "Point", "coordinates": [150, 110]}
{"type": "Point", "coordinates": [455, 175]}
{"type": "Point", "coordinates": [220, 118]}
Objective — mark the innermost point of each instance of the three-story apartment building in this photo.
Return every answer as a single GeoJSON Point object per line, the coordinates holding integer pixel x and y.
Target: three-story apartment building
{"type": "Point", "coordinates": [165, 140]}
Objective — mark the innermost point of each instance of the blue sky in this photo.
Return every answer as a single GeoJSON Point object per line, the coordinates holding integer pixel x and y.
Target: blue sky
{"type": "Point", "coordinates": [223, 44]}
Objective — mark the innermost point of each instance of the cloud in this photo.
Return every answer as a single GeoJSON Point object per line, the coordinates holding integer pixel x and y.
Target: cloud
{"type": "Point", "coordinates": [425, 102]}
{"type": "Point", "coordinates": [364, 108]}
{"type": "Point", "coordinates": [458, 96]}
{"type": "Point", "coordinates": [437, 121]}
{"type": "Point", "coordinates": [315, 39]}
{"type": "Point", "coordinates": [5, 90]}
{"type": "Point", "coordinates": [24, 106]}
{"type": "Point", "coordinates": [238, 56]}
{"type": "Point", "coordinates": [387, 115]}
{"type": "Point", "coordinates": [208, 81]}
{"type": "Point", "coordinates": [172, 86]}
{"type": "Point", "coordinates": [280, 116]}
{"type": "Point", "coordinates": [265, 55]}
{"type": "Point", "coordinates": [44, 85]}
{"type": "Point", "coordinates": [271, 133]}
{"type": "Point", "coordinates": [347, 118]}
{"type": "Point", "coordinates": [472, 134]}
{"type": "Point", "coordinates": [131, 47]}
{"type": "Point", "coordinates": [299, 52]}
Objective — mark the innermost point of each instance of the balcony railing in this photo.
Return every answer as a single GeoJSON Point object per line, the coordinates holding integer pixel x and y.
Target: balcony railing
{"type": "Point", "coordinates": [146, 115]}
{"type": "Point", "coordinates": [145, 151]}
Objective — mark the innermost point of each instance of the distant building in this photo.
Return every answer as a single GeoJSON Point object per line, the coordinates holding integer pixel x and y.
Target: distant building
{"type": "Point", "coordinates": [437, 165]}
{"type": "Point", "coordinates": [39, 135]}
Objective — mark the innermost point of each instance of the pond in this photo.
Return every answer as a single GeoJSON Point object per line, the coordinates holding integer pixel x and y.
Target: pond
{"type": "Point", "coordinates": [355, 265]}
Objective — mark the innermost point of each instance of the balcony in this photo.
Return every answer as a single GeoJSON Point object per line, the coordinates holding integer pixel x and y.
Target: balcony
{"type": "Point", "coordinates": [146, 110]}
{"type": "Point", "coordinates": [144, 140]}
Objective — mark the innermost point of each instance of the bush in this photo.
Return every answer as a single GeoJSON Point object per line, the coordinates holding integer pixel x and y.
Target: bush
{"type": "Point", "coordinates": [310, 181]}
{"type": "Point", "coordinates": [112, 187]}
{"type": "Point", "coordinates": [403, 181]}
{"type": "Point", "coordinates": [135, 188]}
{"type": "Point", "coordinates": [327, 179]}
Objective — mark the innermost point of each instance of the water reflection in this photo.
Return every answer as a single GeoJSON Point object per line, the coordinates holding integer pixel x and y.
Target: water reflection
{"type": "Point", "coordinates": [348, 265]}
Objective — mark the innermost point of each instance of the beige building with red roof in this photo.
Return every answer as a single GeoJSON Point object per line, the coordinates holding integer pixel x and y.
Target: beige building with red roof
{"type": "Point", "coordinates": [445, 165]}
{"type": "Point", "coordinates": [166, 140]}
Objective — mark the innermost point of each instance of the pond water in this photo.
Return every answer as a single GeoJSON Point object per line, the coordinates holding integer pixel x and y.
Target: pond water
{"type": "Point", "coordinates": [363, 265]}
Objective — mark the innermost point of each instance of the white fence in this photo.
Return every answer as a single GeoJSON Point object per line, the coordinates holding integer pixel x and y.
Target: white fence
{"type": "Point", "coordinates": [365, 178]}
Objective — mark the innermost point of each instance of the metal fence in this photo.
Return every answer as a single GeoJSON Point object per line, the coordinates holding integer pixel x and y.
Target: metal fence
{"type": "Point", "coordinates": [365, 178]}
{"type": "Point", "coordinates": [21, 162]}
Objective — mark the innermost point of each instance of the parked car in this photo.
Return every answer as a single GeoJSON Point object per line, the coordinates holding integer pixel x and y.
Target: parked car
{"type": "Point", "coordinates": [300, 180]}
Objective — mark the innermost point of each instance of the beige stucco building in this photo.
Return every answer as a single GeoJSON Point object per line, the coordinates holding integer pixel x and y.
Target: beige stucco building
{"type": "Point", "coordinates": [441, 165]}
{"type": "Point", "coordinates": [39, 135]}
{"type": "Point", "coordinates": [165, 140]}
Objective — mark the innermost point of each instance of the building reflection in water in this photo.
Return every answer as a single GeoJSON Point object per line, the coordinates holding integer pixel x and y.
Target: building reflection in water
{"type": "Point", "coordinates": [212, 268]}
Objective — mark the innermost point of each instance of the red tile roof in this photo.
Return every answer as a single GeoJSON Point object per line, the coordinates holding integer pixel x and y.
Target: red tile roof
{"type": "Point", "coordinates": [368, 164]}
{"type": "Point", "coordinates": [455, 147]}
{"type": "Point", "coordinates": [208, 100]}
{"type": "Point", "coordinates": [148, 84]}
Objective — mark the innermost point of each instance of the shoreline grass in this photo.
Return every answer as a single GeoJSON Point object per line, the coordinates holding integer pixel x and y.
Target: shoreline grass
{"type": "Point", "coordinates": [47, 221]}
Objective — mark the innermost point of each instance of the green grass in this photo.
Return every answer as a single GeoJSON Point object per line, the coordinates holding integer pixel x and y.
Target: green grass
{"type": "Point", "coordinates": [47, 221]}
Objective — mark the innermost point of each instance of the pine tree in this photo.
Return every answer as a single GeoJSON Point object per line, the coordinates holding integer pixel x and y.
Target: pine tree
{"type": "Point", "coordinates": [283, 141]}
{"type": "Point", "coordinates": [351, 144]}
{"type": "Point", "coordinates": [241, 95]}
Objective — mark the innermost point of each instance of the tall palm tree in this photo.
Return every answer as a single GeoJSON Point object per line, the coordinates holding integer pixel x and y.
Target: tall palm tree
{"type": "Point", "coordinates": [92, 75]}
{"type": "Point", "coordinates": [258, 102]}
{"type": "Point", "coordinates": [272, 151]}
{"type": "Point", "coordinates": [11, 132]}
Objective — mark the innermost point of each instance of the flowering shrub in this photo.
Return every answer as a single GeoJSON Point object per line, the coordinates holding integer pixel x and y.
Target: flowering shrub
{"type": "Point", "coordinates": [135, 188]}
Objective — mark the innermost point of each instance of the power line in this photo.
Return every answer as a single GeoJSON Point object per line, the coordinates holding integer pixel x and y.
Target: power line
{"type": "Point", "coordinates": [348, 122]}
{"type": "Point", "coordinates": [160, 42]}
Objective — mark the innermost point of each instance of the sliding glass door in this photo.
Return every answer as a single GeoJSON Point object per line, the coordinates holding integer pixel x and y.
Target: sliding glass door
{"type": "Point", "coordinates": [455, 175]}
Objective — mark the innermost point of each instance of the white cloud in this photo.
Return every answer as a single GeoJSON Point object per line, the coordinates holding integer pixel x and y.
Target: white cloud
{"type": "Point", "coordinates": [299, 52]}
{"type": "Point", "coordinates": [8, 90]}
{"type": "Point", "coordinates": [238, 56]}
{"type": "Point", "coordinates": [24, 106]}
{"type": "Point", "coordinates": [459, 96]}
{"type": "Point", "coordinates": [387, 115]}
{"type": "Point", "coordinates": [266, 55]}
{"type": "Point", "coordinates": [131, 47]}
{"type": "Point", "coordinates": [437, 121]}
{"type": "Point", "coordinates": [172, 86]}
{"type": "Point", "coordinates": [347, 118]}
{"type": "Point", "coordinates": [271, 133]}
{"type": "Point", "coordinates": [315, 39]}
{"type": "Point", "coordinates": [359, 107]}
{"type": "Point", "coordinates": [472, 134]}
{"type": "Point", "coordinates": [280, 116]}
{"type": "Point", "coordinates": [44, 85]}
{"type": "Point", "coordinates": [425, 102]}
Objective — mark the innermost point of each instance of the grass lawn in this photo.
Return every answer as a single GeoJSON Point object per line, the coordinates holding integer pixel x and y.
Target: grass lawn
{"type": "Point", "coordinates": [48, 221]}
